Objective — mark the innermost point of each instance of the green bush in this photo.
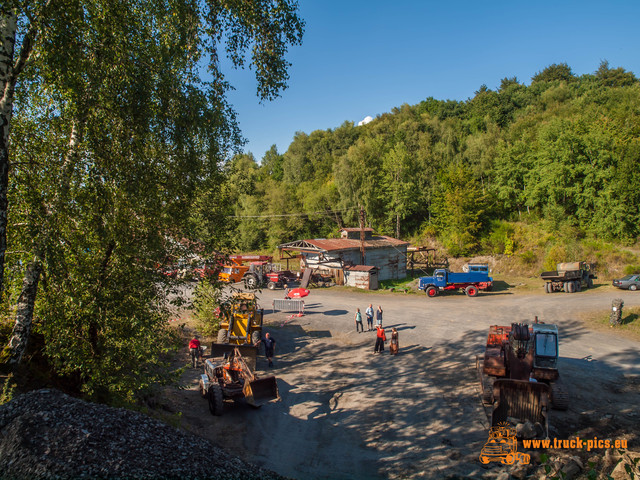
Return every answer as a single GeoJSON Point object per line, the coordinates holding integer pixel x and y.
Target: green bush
{"type": "Point", "coordinates": [629, 269]}
{"type": "Point", "coordinates": [528, 257]}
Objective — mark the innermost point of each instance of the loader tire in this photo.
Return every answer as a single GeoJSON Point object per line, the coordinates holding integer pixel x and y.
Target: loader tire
{"type": "Point", "coordinates": [203, 392]}
{"type": "Point", "coordinates": [559, 396]}
{"type": "Point", "coordinates": [431, 292]}
{"type": "Point", "coordinates": [223, 336]}
{"type": "Point", "coordinates": [471, 291]}
{"type": "Point", "coordinates": [216, 400]}
{"type": "Point", "coordinates": [255, 337]}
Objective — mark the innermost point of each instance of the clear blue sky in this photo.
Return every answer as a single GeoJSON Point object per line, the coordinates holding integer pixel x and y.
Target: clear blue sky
{"type": "Point", "coordinates": [362, 58]}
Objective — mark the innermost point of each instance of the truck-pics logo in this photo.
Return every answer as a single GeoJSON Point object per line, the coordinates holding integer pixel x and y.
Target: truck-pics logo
{"type": "Point", "coordinates": [502, 446]}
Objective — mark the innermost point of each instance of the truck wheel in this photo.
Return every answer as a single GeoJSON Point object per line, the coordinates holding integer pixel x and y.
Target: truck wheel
{"type": "Point", "coordinates": [547, 288]}
{"type": "Point", "coordinates": [471, 291]}
{"type": "Point", "coordinates": [590, 283]}
{"type": "Point", "coordinates": [578, 285]}
{"type": "Point", "coordinates": [565, 287]}
{"type": "Point", "coordinates": [271, 285]}
{"type": "Point", "coordinates": [223, 336]}
{"type": "Point", "coordinates": [431, 291]}
{"type": "Point", "coordinates": [216, 400]}
{"type": "Point", "coordinates": [251, 281]}
{"type": "Point", "coordinates": [571, 287]}
{"type": "Point", "coordinates": [203, 392]}
{"type": "Point", "coordinates": [255, 337]}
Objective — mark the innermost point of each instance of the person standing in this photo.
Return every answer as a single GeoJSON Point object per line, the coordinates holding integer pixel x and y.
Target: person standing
{"type": "Point", "coordinates": [394, 345]}
{"type": "Point", "coordinates": [369, 313]}
{"type": "Point", "coordinates": [269, 347]}
{"type": "Point", "coordinates": [380, 339]}
{"type": "Point", "coordinates": [379, 316]}
{"type": "Point", "coordinates": [358, 319]}
{"type": "Point", "coordinates": [194, 350]}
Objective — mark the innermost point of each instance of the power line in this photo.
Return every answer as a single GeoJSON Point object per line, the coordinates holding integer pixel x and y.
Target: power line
{"type": "Point", "coordinates": [293, 214]}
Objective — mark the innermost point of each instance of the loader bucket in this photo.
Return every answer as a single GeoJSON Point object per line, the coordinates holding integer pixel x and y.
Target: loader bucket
{"type": "Point", "coordinates": [261, 391]}
{"type": "Point", "coordinates": [249, 352]}
{"type": "Point", "coordinates": [521, 400]}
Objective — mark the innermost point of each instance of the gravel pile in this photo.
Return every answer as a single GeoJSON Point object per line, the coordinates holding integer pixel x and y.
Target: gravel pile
{"type": "Point", "coordinates": [46, 434]}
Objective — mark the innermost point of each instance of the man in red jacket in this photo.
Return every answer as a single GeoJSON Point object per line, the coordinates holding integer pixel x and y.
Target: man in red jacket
{"type": "Point", "coordinates": [380, 339]}
{"type": "Point", "coordinates": [194, 349]}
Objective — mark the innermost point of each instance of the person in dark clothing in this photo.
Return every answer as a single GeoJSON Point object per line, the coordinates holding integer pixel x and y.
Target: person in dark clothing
{"type": "Point", "coordinates": [380, 339]}
{"type": "Point", "coordinates": [269, 347]}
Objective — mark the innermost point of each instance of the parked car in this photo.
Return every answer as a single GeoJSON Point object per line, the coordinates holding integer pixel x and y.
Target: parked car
{"type": "Point", "coordinates": [628, 282]}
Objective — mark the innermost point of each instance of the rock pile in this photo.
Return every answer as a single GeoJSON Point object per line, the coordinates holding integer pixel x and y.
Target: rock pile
{"type": "Point", "coordinates": [46, 434]}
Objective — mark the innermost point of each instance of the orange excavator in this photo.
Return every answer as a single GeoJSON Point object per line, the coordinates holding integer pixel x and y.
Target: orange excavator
{"type": "Point", "coordinates": [519, 373]}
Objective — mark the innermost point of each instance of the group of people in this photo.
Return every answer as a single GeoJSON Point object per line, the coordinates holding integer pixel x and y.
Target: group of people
{"type": "Point", "coordinates": [381, 336]}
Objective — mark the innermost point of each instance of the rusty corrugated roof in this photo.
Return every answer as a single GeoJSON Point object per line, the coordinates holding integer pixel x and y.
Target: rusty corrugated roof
{"type": "Point", "coordinates": [336, 244]}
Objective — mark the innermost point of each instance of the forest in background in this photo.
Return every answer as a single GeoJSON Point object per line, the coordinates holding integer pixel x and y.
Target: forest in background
{"type": "Point", "coordinates": [556, 160]}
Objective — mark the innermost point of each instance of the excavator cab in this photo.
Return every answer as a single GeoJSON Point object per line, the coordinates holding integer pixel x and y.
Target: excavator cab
{"type": "Point", "coordinates": [546, 346]}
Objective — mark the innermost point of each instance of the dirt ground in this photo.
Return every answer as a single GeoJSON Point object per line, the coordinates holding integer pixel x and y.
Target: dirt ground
{"type": "Point", "coordinates": [347, 413]}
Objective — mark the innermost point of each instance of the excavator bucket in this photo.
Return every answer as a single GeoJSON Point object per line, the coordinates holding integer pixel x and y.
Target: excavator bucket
{"type": "Point", "coordinates": [261, 391]}
{"type": "Point", "coordinates": [249, 352]}
{"type": "Point", "coordinates": [521, 400]}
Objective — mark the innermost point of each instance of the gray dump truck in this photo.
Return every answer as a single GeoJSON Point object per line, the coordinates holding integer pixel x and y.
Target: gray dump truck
{"type": "Point", "coordinates": [569, 277]}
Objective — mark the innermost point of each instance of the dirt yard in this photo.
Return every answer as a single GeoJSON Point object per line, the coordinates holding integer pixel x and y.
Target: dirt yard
{"type": "Point", "coordinates": [347, 413]}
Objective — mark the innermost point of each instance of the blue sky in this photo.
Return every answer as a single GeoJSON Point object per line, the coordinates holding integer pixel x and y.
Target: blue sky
{"type": "Point", "coordinates": [362, 58]}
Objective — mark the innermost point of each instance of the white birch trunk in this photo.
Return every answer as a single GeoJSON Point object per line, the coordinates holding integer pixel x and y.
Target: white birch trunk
{"type": "Point", "coordinates": [24, 315]}
{"type": "Point", "coordinates": [8, 27]}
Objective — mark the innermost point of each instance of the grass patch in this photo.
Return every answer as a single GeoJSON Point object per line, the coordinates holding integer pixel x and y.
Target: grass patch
{"type": "Point", "coordinates": [405, 285]}
{"type": "Point", "coordinates": [630, 328]}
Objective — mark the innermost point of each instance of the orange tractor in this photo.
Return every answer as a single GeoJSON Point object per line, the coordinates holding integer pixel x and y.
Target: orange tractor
{"type": "Point", "coordinates": [255, 271]}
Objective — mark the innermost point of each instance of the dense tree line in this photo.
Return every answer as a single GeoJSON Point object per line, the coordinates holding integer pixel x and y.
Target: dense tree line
{"type": "Point", "coordinates": [563, 150]}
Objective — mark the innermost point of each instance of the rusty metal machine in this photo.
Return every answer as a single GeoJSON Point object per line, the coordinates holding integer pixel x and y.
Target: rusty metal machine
{"type": "Point", "coordinates": [231, 378]}
{"type": "Point", "coordinates": [519, 373]}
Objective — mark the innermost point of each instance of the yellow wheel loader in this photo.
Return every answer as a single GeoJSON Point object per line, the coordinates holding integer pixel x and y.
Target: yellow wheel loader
{"type": "Point", "coordinates": [241, 327]}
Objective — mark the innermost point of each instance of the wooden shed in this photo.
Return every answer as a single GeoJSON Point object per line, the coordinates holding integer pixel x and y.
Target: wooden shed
{"type": "Point", "coordinates": [361, 276]}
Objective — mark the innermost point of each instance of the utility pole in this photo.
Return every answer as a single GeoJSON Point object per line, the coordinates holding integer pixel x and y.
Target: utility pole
{"type": "Point", "coordinates": [362, 250]}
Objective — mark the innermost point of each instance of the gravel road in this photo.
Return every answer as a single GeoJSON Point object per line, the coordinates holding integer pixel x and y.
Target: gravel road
{"type": "Point", "coordinates": [346, 413]}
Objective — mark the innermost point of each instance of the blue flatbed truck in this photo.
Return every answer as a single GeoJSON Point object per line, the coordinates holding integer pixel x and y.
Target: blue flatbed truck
{"type": "Point", "coordinates": [443, 280]}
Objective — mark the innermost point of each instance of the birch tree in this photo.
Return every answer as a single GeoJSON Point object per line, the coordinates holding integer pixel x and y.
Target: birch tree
{"type": "Point", "coordinates": [109, 133]}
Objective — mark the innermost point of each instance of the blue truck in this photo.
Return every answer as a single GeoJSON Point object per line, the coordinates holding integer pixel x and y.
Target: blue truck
{"type": "Point", "coordinates": [443, 280]}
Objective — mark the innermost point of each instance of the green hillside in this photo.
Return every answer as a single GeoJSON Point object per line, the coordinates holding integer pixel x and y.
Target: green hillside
{"type": "Point", "coordinates": [544, 171]}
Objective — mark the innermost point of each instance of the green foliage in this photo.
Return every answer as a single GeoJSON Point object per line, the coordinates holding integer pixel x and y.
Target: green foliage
{"type": "Point", "coordinates": [117, 148]}
{"type": "Point", "coordinates": [458, 208]}
{"type": "Point", "coordinates": [8, 387]}
{"type": "Point", "coordinates": [208, 297]}
{"type": "Point", "coordinates": [631, 269]}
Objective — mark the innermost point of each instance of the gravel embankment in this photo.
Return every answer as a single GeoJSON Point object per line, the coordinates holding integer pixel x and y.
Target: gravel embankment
{"type": "Point", "coordinates": [46, 434]}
